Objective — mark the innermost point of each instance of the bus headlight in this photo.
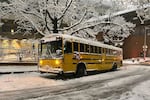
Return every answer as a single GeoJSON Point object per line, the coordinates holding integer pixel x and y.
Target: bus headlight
{"type": "Point", "coordinates": [57, 62]}
{"type": "Point", "coordinates": [41, 62]}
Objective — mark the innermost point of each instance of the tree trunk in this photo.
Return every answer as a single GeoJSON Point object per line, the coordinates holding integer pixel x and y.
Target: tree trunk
{"type": "Point", "coordinates": [55, 27]}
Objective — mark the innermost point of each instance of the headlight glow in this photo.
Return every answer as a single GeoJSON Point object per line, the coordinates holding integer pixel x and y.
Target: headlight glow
{"type": "Point", "coordinates": [41, 62]}
{"type": "Point", "coordinates": [57, 62]}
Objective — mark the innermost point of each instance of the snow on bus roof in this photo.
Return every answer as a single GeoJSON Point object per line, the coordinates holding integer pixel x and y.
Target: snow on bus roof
{"type": "Point", "coordinates": [52, 37]}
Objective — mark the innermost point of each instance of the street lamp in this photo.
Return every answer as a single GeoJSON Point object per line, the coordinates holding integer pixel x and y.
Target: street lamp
{"type": "Point", "coordinates": [12, 31]}
{"type": "Point", "coordinates": [145, 46]}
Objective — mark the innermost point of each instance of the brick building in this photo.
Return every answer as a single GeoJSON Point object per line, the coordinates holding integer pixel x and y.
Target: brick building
{"type": "Point", "coordinates": [133, 45]}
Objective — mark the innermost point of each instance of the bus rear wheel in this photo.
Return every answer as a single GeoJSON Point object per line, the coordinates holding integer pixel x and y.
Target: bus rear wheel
{"type": "Point", "coordinates": [114, 67]}
{"type": "Point", "coordinates": [81, 70]}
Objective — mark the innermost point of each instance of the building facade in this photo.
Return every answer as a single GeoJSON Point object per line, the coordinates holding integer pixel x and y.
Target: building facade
{"type": "Point", "coordinates": [133, 45]}
{"type": "Point", "coordinates": [16, 46]}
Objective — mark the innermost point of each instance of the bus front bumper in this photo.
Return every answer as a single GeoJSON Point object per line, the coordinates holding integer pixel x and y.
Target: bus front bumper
{"type": "Point", "coordinates": [48, 69]}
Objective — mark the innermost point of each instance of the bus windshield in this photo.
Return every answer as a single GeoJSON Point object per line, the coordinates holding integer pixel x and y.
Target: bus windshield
{"type": "Point", "coordinates": [51, 49]}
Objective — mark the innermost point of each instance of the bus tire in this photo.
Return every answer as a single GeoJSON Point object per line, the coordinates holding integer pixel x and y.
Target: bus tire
{"type": "Point", "coordinates": [114, 67]}
{"type": "Point", "coordinates": [81, 70]}
{"type": "Point", "coordinates": [41, 72]}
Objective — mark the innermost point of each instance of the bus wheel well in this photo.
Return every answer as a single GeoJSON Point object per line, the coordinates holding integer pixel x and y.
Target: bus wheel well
{"type": "Point", "coordinates": [81, 69]}
{"type": "Point", "coordinates": [81, 65]}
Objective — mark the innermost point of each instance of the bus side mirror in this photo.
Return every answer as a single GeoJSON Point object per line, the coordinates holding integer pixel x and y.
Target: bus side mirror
{"type": "Point", "coordinates": [59, 52]}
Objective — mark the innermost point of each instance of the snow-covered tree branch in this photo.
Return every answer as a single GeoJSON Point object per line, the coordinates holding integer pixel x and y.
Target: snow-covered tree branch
{"type": "Point", "coordinates": [71, 16]}
{"type": "Point", "coordinates": [114, 30]}
{"type": "Point", "coordinates": [65, 10]}
{"type": "Point", "coordinates": [45, 15]}
{"type": "Point", "coordinates": [77, 22]}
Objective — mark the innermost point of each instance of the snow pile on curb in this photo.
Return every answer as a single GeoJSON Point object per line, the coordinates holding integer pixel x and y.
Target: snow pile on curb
{"type": "Point", "coordinates": [136, 60]}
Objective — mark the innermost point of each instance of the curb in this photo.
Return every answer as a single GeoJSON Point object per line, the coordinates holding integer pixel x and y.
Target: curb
{"type": "Point", "coordinates": [17, 72]}
{"type": "Point", "coordinates": [18, 63]}
{"type": "Point", "coordinates": [145, 64]}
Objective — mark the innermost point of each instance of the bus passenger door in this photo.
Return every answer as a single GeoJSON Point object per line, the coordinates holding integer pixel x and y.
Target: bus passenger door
{"type": "Point", "coordinates": [103, 59]}
{"type": "Point", "coordinates": [68, 57]}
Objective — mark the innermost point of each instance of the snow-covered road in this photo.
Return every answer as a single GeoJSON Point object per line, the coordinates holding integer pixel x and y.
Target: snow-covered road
{"type": "Point", "coordinates": [128, 83]}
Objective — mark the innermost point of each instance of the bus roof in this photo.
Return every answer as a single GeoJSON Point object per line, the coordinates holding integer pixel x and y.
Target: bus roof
{"type": "Point", "coordinates": [52, 37]}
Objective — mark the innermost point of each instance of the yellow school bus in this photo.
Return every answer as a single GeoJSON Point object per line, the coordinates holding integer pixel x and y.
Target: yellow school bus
{"type": "Point", "coordinates": [61, 53]}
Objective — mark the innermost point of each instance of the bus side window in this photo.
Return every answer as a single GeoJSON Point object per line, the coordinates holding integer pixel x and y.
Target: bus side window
{"type": "Point", "coordinates": [103, 50]}
{"type": "Point", "coordinates": [68, 47]}
{"type": "Point", "coordinates": [100, 50]}
{"type": "Point", "coordinates": [107, 51]}
{"type": "Point", "coordinates": [75, 46]}
{"type": "Point", "coordinates": [118, 53]}
{"type": "Point", "coordinates": [91, 49]}
{"type": "Point", "coordinates": [87, 49]}
{"type": "Point", "coordinates": [81, 47]}
{"type": "Point", "coordinates": [111, 52]}
{"type": "Point", "coordinates": [114, 52]}
{"type": "Point", "coordinates": [96, 49]}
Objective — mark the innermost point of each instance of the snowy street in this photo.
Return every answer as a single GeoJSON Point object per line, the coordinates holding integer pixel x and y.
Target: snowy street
{"type": "Point", "coordinates": [131, 82]}
{"type": "Point", "coordinates": [6, 69]}
{"type": "Point", "coordinates": [107, 42]}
